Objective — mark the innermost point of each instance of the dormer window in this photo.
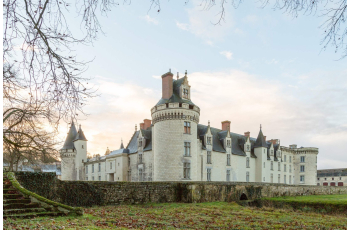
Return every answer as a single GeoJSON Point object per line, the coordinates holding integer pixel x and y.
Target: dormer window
{"type": "Point", "coordinates": [140, 143]}
{"type": "Point", "coordinates": [228, 143]}
{"type": "Point", "coordinates": [271, 152]}
{"type": "Point", "coordinates": [208, 140]}
{"type": "Point", "coordinates": [248, 147]}
{"type": "Point", "coordinates": [185, 93]}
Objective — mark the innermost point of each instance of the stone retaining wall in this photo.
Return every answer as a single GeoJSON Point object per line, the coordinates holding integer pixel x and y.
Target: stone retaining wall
{"type": "Point", "coordinates": [87, 193]}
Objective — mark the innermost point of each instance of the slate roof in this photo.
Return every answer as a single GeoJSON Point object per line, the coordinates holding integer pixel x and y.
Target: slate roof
{"type": "Point", "coordinates": [80, 135]}
{"type": "Point", "coordinates": [175, 97]}
{"type": "Point", "coordinates": [260, 141]}
{"type": "Point", "coordinates": [72, 133]}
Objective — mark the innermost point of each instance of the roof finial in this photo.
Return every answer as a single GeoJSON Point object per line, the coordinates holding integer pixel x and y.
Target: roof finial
{"type": "Point", "coordinates": [208, 122]}
{"type": "Point", "coordinates": [135, 127]}
{"type": "Point", "coordinates": [177, 75]}
{"type": "Point", "coordinates": [260, 126]}
{"type": "Point", "coordinates": [169, 70]}
{"type": "Point", "coordinates": [186, 73]}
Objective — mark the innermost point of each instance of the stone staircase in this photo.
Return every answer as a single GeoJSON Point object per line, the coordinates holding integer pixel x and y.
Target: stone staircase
{"type": "Point", "coordinates": [17, 205]}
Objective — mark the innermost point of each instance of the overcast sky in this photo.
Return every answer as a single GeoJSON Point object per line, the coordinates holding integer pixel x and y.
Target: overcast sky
{"type": "Point", "coordinates": [260, 66]}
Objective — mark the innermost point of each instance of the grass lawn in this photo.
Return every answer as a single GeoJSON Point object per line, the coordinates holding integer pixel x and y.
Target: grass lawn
{"type": "Point", "coordinates": [215, 215]}
{"type": "Point", "coordinates": [326, 199]}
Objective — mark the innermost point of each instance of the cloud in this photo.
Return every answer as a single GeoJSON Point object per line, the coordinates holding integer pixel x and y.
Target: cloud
{"type": "Point", "coordinates": [150, 20]}
{"type": "Point", "coordinates": [183, 26]}
{"type": "Point", "coordinates": [157, 77]}
{"type": "Point", "coordinates": [311, 115]}
{"type": "Point", "coordinates": [227, 54]}
{"type": "Point", "coordinates": [272, 62]}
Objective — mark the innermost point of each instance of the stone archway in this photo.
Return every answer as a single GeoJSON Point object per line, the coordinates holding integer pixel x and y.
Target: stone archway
{"type": "Point", "coordinates": [243, 197]}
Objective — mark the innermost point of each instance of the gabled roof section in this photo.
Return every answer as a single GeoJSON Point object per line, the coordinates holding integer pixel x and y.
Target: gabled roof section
{"type": "Point", "coordinates": [260, 140]}
{"type": "Point", "coordinates": [80, 135]}
{"type": "Point", "coordinates": [175, 97]}
{"type": "Point", "coordinates": [132, 146]}
{"type": "Point", "coordinates": [72, 133]}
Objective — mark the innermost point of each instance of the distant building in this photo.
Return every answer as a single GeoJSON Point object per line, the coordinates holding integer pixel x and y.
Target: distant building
{"type": "Point", "coordinates": [173, 146]}
{"type": "Point", "coordinates": [332, 177]}
{"type": "Point", "coordinates": [42, 167]}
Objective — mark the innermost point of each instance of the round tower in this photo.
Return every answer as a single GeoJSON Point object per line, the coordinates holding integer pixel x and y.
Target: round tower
{"type": "Point", "coordinates": [68, 155]}
{"type": "Point", "coordinates": [175, 119]}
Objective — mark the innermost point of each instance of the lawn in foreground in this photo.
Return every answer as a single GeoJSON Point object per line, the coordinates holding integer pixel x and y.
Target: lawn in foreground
{"type": "Point", "coordinates": [326, 199]}
{"type": "Point", "coordinates": [215, 215]}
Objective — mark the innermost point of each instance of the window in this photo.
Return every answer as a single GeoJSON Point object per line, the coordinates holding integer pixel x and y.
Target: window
{"type": "Point", "coordinates": [82, 146]}
{"type": "Point", "coordinates": [93, 178]}
{"type": "Point", "coordinates": [302, 179]}
{"type": "Point", "coordinates": [208, 140]}
{"type": "Point", "coordinates": [208, 174]}
{"type": "Point", "coordinates": [319, 178]}
{"type": "Point", "coordinates": [285, 179]}
{"type": "Point", "coordinates": [129, 161]}
{"type": "Point", "coordinates": [325, 178]}
{"type": "Point", "coordinates": [185, 93]}
{"type": "Point", "coordinates": [140, 142]}
{"type": "Point", "coordinates": [290, 179]}
{"type": "Point", "coordinates": [110, 165]}
{"type": "Point", "coordinates": [99, 178]}
{"type": "Point", "coordinates": [228, 144]}
{"type": "Point", "coordinates": [332, 178]}
{"type": "Point", "coordinates": [271, 152]}
{"type": "Point", "coordinates": [271, 178]}
{"type": "Point", "coordinates": [264, 164]}
{"type": "Point", "coordinates": [285, 158]}
{"type": "Point", "coordinates": [187, 127]}
{"type": "Point", "coordinates": [228, 160]}
{"type": "Point", "coordinates": [140, 175]}
{"type": "Point", "coordinates": [187, 168]}
{"type": "Point", "coordinates": [248, 147]}
{"type": "Point", "coordinates": [290, 168]}
{"type": "Point", "coordinates": [302, 159]}
{"type": "Point", "coordinates": [187, 148]}
{"type": "Point", "coordinates": [271, 165]}
{"type": "Point", "coordinates": [247, 177]}
{"type": "Point", "coordinates": [140, 158]}
{"type": "Point", "coordinates": [208, 157]}
{"type": "Point", "coordinates": [99, 167]}
{"type": "Point", "coordinates": [86, 178]}
{"type": "Point", "coordinates": [302, 168]}
{"type": "Point", "coordinates": [279, 178]}
{"type": "Point", "coordinates": [339, 178]}
{"type": "Point", "coordinates": [93, 168]}
{"type": "Point", "coordinates": [247, 162]}
{"type": "Point", "coordinates": [279, 166]}
{"type": "Point", "coordinates": [228, 173]}
{"type": "Point", "coordinates": [285, 168]}
{"type": "Point", "coordinates": [86, 169]}
{"type": "Point", "coordinates": [290, 159]}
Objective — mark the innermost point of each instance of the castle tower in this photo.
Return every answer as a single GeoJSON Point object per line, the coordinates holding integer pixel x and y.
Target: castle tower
{"type": "Point", "coordinates": [175, 118]}
{"type": "Point", "coordinates": [73, 152]}
{"type": "Point", "coordinates": [260, 151]}
{"type": "Point", "coordinates": [68, 154]}
{"type": "Point", "coordinates": [80, 144]}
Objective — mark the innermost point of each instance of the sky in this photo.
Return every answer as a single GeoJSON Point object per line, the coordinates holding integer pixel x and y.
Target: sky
{"type": "Point", "coordinates": [260, 66]}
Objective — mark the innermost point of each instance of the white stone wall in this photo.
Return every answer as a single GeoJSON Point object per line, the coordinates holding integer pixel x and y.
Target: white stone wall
{"type": "Point", "coordinates": [68, 169]}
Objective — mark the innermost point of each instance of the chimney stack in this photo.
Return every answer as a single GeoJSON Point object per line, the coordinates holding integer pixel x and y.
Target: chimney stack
{"type": "Point", "coordinates": [226, 125]}
{"type": "Point", "coordinates": [142, 125]}
{"type": "Point", "coordinates": [274, 141]}
{"type": "Point", "coordinates": [247, 134]}
{"type": "Point", "coordinates": [147, 123]}
{"type": "Point", "coordinates": [167, 85]}
{"type": "Point", "coordinates": [265, 138]}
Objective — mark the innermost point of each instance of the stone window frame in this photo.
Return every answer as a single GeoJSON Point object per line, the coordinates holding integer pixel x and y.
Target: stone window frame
{"type": "Point", "coordinates": [208, 140]}
{"type": "Point", "coordinates": [247, 147]}
{"type": "Point", "coordinates": [185, 93]}
{"type": "Point", "coordinates": [247, 176]}
{"type": "Point", "coordinates": [247, 162]}
{"type": "Point", "coordinates": [99, 167]}
{"type": "Point", "coordinates": [271, 152]}
{"type": "Point", "coordinates": [228, 175]}
{"type": "Point", "coordinates": [140, 158]}
{"type": "Point", "coordinates": [290, 159]}
{"type": "Point", "coordinates": [209, 157]}
{"type": "Point", "coordinates": [271, 177]}
{"type": "Point", "coordinates": [110, 165]}
{"type": "Point", "coordinates": [285, 168]}
{"type": "Point", "coordinates": [228, 159]}
{"type": "Point", "coordinates": [187, 148]}
{"type": "Point", "coordinates": [99, 178]}
{"type": "Point", "coordinates": [187, 170]}
{"type": "Point", "coordinates": [302, 168]}
{"type": "Point", "coordinates": [302, 178]}
{"type": "Point", "coordinates": [302, 159]}
{"type": "Point", "coordinates": [228, 143]}
{"type": "Point", "coordinates": [272, 165]}
{"type": "Point", "coordinates": [279, 166]}
{"type": "Point", "coordinates": [187, 127]}
{"type": "Point", "coordinates": [140, 174]}
{"type": "Point", "coordinates": [208, 174]}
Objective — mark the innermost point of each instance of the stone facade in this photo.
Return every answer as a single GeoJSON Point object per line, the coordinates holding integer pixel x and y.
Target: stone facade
{"type": "Point", "coordinates": [174, 146]}
{"type": "Point", "coordinates": [332, 177]}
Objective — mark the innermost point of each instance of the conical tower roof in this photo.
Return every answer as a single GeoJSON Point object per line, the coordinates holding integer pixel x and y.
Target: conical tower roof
{"type": "Point", "coordinates": [80, 135]}
{"type": "Point", "coordinates": [121, 145]}
{"type": "Point", "coordinates": [68, 144]}
{"type": "Point", "coordinates": [260, 140]}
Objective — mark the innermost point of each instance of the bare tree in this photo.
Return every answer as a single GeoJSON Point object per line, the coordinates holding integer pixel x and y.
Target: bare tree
{"type": "Point", "coordinates": [333, 11]}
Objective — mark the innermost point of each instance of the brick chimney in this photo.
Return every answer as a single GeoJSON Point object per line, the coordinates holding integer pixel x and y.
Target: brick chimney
{"type": "Point", "coordinates": [247, 134]}
{"type": "Point", "coordinates": [225, 125]}
{"type": "Point", "coordinates": [265, 138]}
{"type": "Point", "coordinates": [167, 85]}
{"type": "Point", "coordinates": [142, 125]}
{"type": "Point", "coordinates": [274, 141]}
{"type": "Point", "coordinates": [147, 123]}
